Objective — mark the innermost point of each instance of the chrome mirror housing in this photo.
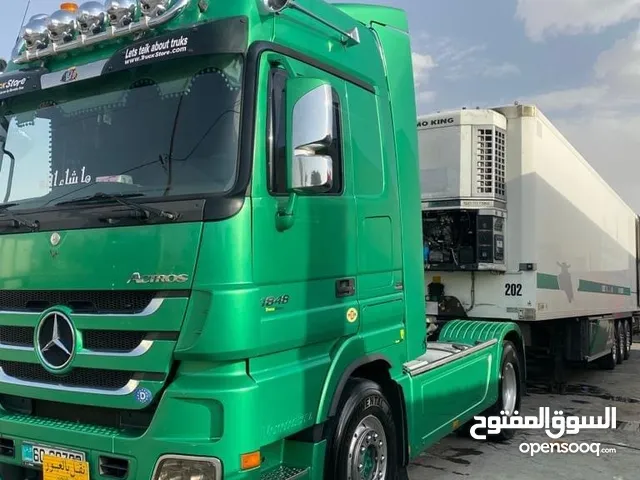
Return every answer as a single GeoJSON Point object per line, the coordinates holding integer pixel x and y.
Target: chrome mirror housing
{"type": "Point", "coordinates": [313, 173]}
{"type": "Point", "coordinates": [312, 124]}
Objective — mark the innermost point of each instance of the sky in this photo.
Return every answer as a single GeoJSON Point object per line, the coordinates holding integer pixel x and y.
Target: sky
{"type": "Point", "coordinates": [577, 60]}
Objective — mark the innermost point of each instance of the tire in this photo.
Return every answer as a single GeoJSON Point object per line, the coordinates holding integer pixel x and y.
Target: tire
{"type": "Point", "coordinates": [509, 391]}
{"type": "Point", "coordinates": [365, 436]}
{"type": "Point", "coordinates": [625, 343]}
{"type": "Point", "coordinates": [610, 361]}
{"type": "Point", "coordinates": [628, 339]}
{"type": "Point", "coordinates": [619, 342]}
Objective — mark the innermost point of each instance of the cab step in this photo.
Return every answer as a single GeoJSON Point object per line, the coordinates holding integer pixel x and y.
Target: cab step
{"type": "Point", "coordinates": [284, 472]}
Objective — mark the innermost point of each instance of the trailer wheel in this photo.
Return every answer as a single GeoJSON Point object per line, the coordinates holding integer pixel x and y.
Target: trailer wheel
{"type": "Point", "coordinates": [628, 339]}
{"type": "Point", "coordinates": [611, 360]}
{"type": "Point", "coordinates": [364, 443]}
{"type": "Point", "coordinates": [509, 394]}
{"type": "Point", "coordinates": [619, 342]}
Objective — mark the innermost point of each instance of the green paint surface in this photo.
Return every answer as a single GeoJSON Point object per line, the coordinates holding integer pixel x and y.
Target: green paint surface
{"type": "Point", "coordinates": [227, 375]}
{"type": "Point", "coordinates": [547, 281]}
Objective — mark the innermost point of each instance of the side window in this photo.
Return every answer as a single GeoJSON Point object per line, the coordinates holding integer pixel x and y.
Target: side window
{"type": "Point", "coordinates": [276, 133]}
{"type": "Point", "coordinates": [276, 137]}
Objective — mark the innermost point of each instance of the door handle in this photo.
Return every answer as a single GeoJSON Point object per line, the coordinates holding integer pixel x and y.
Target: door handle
{"type": "Point", "coordinates": [345, 287]}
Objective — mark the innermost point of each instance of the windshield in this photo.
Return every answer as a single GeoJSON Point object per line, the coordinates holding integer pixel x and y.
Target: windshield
{"type": "Point", "coordinates": [164, 129]}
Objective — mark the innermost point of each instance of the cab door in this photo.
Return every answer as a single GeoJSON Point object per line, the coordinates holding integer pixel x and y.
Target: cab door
{"type": "Point", "coordinates": [305, 271]}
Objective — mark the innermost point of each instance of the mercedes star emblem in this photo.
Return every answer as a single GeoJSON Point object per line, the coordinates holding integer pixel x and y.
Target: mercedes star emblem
{"type": "Point", "coordinates": [55, 239]}
{"type": "Point", "coordinates": [55, 340]}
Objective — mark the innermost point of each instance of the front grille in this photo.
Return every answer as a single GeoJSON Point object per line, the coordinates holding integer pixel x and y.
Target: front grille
{"type": "Point", "coordinates": [113, 467]}
{"type": "Point", "coordinates": [112, 341]}
{"type": "Point", "coordinates": [80, 301]}
{"type": "Point", "coordinates": [101, 340]}
{"type": "Point", "coordinates": [136, 422]}
{"type": "Point", "coordinates": [79, 377]}
{"type": "Point", "coordinates": [16, 336]}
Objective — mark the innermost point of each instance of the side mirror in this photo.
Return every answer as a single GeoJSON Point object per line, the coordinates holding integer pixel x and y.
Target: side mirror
{"type": "Point", "coordinates": [3, 65]}
{"type": "Point", "coordinates": [309, 132]}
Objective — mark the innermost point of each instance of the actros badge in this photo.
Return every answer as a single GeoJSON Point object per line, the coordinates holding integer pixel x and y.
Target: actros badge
{"type": "Point", "coordinates": [137, 277]}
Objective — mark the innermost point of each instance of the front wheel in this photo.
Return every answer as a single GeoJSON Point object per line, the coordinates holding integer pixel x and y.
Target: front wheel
{"type": "Point", "coordinates": [364, 445]}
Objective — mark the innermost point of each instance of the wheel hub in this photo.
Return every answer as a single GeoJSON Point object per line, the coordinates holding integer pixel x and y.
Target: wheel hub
{"type": "Point", "coordinates": [368, 451]}
{"type": "Point", "coordinates": [509, 389]}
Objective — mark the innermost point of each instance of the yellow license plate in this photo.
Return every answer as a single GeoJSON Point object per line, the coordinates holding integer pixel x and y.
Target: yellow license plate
{"type": "Point", "coordinates": [56, 468]}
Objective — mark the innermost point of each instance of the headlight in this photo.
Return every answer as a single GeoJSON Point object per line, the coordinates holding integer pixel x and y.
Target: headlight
{"type": "Point", "coordinates": [91, 18]}
{"type": "Point", "coordinates": [176, 467]}
{"type": "Point", "coordinates": [154, 8]}
{"type": "Point", "coordinates": [121, 12]}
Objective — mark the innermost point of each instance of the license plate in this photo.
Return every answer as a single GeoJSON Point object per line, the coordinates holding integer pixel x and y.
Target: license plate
{"type": "Point", "coordinates": [33, 453]}
{"type": "Point", "coordinates": [58, 468]}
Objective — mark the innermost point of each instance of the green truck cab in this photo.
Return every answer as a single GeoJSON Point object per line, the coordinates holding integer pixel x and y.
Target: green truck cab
{"type": "Point", "coordinates": [211, 250]}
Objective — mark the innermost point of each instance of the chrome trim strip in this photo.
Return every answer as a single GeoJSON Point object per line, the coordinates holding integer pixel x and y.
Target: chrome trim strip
{"type": "Point", "coordinates": [141, 349]}
{"type": "Point", "coordinates": [20, 348]}
{"type": "Point", "coordinates": [417, 367]}
{"type": "Point", "coordinates": [153, 307]}
{"type": "Point", "coordinates": [126, 390]}
{"type": "Point", "coordinates": [144, 24]}
{"type": "Point", "coordinates": [447, 347]}
{"type": "Point", "coordinates": [144, 347]}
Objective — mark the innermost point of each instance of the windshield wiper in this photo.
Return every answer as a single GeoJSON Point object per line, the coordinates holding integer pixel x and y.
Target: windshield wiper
{"type": "Point", "coordinates": [122, 199]}
{"type": "Point", "coordinates": [17, 219]}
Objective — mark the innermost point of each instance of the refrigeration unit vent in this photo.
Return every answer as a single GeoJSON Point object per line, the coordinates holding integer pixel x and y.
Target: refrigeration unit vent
{"type": "Point", "coordinates": [490, 161]}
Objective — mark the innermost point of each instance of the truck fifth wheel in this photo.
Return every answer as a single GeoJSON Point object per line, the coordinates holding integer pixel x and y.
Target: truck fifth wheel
{"type": "Point", "coordinates": [211, 247]}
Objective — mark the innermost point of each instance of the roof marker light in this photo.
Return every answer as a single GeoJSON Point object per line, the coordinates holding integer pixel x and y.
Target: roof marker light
{"type": "Point", "coordinates": [69, 7]}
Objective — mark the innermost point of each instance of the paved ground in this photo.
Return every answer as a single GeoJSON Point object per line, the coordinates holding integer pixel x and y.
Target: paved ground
{"type": "Point", "coordinates": [590, 391]}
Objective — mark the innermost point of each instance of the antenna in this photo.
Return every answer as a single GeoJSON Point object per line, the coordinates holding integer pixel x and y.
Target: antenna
{"type": "Point", "coordinates": [24, 18]}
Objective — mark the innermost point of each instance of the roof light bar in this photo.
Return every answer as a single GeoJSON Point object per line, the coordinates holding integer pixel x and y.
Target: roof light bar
{"type": "Point", "coordinates": [68, 29]}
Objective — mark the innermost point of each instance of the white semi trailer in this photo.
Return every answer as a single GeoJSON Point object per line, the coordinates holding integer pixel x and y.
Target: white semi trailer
{"type": "Point", "coordinates": [519, 227]}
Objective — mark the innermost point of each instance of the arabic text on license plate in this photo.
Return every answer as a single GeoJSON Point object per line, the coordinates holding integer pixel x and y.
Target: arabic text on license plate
{"type": "Point", "coordinates": [33, 453]}
{"type": "Point", "coordinates": [57, 468]}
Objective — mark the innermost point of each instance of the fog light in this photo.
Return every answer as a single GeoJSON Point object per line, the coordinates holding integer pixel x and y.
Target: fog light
{"type": "Point", "coordinates": [176, 467]}
{"type": "Point", "coordinates": [121, 12]}
{"type": "Point", "coordinates": [154, 8]}
{"type": "Point", "coordinates": [35, 33]}
{"type": "Point", "coordinates": [91, 18]}
{"type": "Point", "coordinates": [62, 26]}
